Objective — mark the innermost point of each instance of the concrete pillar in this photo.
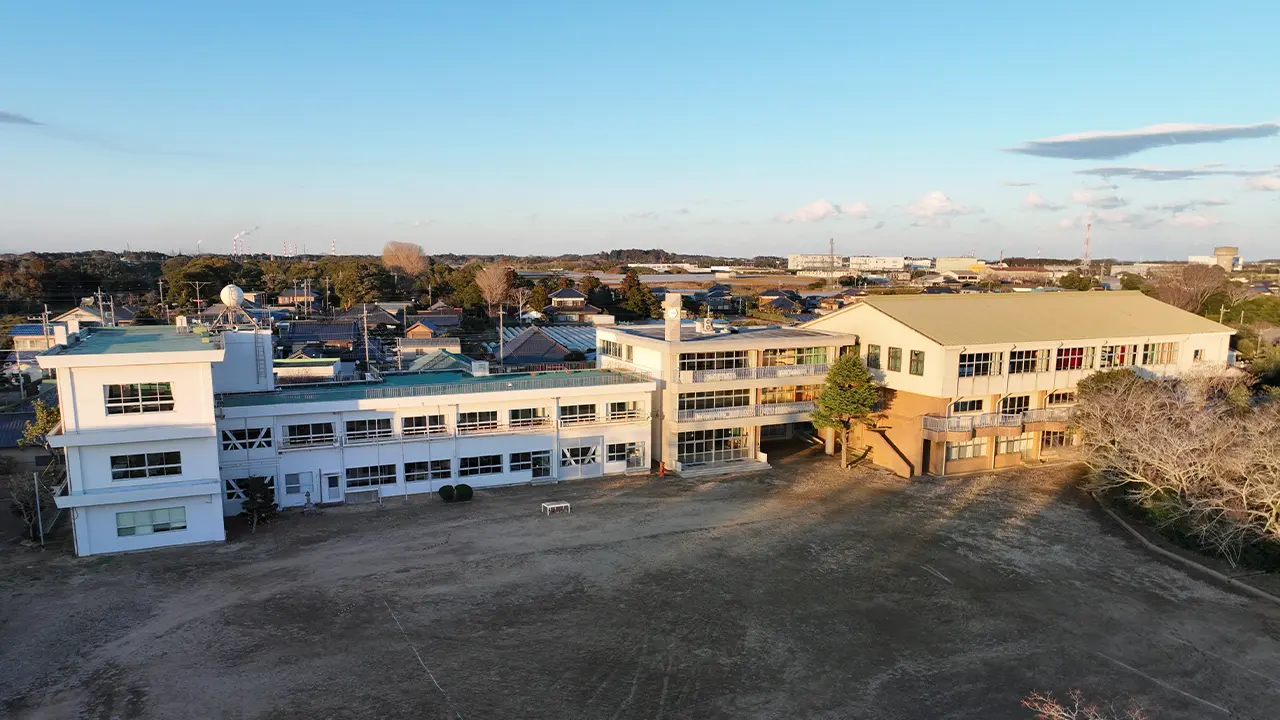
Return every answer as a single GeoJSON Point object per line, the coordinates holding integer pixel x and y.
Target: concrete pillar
{"type": "Point", "coordinates": [828, 436]}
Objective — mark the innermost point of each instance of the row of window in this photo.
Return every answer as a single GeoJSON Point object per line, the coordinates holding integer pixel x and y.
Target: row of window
{"type": "Point", "coordinates": [894, 363]}
{"type": "Point", "coordinates": [1014, 403]}
{"type": "Point", "coordinates": [131, 398]}
{"type": "Point", "coordinates": [735, 359]}
{"type": "Point", "coordinates": [1012, 445]}
{"type": "Point", "coordinates": [147, 522]}
{"type": "Point", "coordinates": [1070, 358]}
{"type": "Point", "coordinates": [616, 350]}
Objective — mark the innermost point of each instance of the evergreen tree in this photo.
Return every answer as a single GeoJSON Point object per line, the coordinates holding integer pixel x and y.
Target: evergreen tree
{"type": "Point", "coordinates": [849, 396]}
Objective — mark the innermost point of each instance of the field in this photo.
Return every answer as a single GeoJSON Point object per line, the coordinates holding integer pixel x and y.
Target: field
{"type": "Point", "coordinates": [801, 592]}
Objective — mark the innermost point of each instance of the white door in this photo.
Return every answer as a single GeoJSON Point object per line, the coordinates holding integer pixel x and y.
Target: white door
{"type": "Point", "coordinates": [333, 488]}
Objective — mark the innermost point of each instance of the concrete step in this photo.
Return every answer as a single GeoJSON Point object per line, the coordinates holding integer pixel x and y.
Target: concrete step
{"type": "Point", "coordinates": [729, 468]}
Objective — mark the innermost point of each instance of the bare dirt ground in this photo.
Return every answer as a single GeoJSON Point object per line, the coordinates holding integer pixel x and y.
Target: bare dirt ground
{"type": "Point", "coordinates": [804, 592]}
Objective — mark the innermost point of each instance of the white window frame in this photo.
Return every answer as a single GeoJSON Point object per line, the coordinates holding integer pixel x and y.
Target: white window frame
{"type": "Point", "coordinates": [417, 471]}
{"type": "Point", "coordinates": [246, 439]}
{"type": "Point", "coordinates": [429, 425]}
{"type": "Point", "coordinates": [140, 466]}
{"type": "Point", "coordinates": [367, 429]}
{"type": "Point", "coordinates": [714, 399]}
{"type": "Point", "coordinates": [441, 469]}
{"type": "Point", "coordinates": [370, 476]}
{"type": "Point", "coordinates": [156, 520]}
{"type": "Point", "coordinates": [1163, 353]}
{"type": "Point", "coordinates": [581, 414]}
{"type": "Point", "coordinates": [134, 398]}
{"type": "Point", "coordinates": [991, 362]}
{"type": "Point", "coordinates": [479, 465]}
{"type": "Point", "coordinates": [293, 482]}
{"type": "Point", "coordinates": [967, 450]}
{"type": "Point", "coordinates": [527, 417]}
{"type": "Point", "coordinates": [1023, 362]}
{"type": "Point", "coordinates": [727, 360]}
{"type": "Point", "coordinates": [475, 420]}
{"type": "Point", "coordinates": [632, 453]}
{"type": "Point", "coordinates": [1015, 404]}
{"type": "Point", "coordinates": [1075, 358]}
{"type": "Point", "coordinates": [1015, 444]}
{"type": "Point", "coordinates": [311, 437]}
{"type": "Point", "coordinates": [1053, 439]}
{"type": "Point", "coordinates": [1060, 397]}
{"type": "Point", "coordinates": [967, 406]}
{"type": "Point", "coordinates": [624, 410]}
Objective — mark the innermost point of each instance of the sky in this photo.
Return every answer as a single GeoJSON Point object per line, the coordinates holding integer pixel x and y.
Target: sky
{"type": "Point", "coordinates": [736, 128]}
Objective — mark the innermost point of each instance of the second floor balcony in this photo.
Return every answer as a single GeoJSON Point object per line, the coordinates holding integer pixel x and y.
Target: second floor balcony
{"type": "Point", "coordinates": [745, 411]}
{"type": "Point", "coordinates": [753, 373]}
{"type": "Point", "coordinates": [964, 427]}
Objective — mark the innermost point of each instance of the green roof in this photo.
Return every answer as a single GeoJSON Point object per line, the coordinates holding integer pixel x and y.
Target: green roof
{"type": "Point", "coordinates": [138, 339]}
{"type": "Point", "coordinates": [433, 383]}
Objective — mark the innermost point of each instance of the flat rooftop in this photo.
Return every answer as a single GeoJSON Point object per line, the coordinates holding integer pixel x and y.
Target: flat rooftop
{"type": "Point", "coordinates": [137, 339]}
{"type": "Point", "coordinates": [433, 383]}
{"type": "Point", "coordinates": [689, 333]}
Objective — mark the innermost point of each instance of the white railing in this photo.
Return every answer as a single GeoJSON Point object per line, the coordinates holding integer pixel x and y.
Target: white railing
{"type": "Point", "coordinates": [429, 431]}
{"type": "Point", "coordinates": [745, 411]}
{"type": "Point", "coordinates": [517, 426]}
{"type": "Point", "coordinates": [753, 373]}
{"type": "Point", "coordinates": [969, 423]}
{"type": "Point", "coordinates": [578, 420]}
{"type": "Point", "coordinates": [1051, 414]}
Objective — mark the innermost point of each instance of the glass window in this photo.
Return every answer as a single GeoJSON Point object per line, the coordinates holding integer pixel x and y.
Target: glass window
{"type": "Point", "coordinates": [1015, 404]}
{"type": "Point", "coordinates": [479, 465]}
{"type": "Point", "coordinates": [1075, 358]}
{"type": "Point", "coordinates": [1016, 444]}
{"type": "Point", "coordinates": [371, 475]}
{"type": "Point", "coordinates": [146, 465]}
{"type": "Point", "coordinates": [630, 453]}
{"type": "Point", "coordinates": [713, 360]}
{"type": "Point", "coordinates": [966, 406]}
{"type": "Point", "coordinates": [537, 461]}
{"type": "Point", "coordinates": [793, 356]}
{"type": "Point", "coordinates": [423, 425]}
{"type": "Point", "coordinates": [138, 398]}
{"type": "Point", "coordinates": [917, 362]}
{"type": "Point", "coordinates": [873, 357]}
{"type": "Point", "coordinates": [1053, 439]}
{"type": "Point", "coordinates": [1159, 353]}
{"type": "Point", "coordinates": [370, 429]}
{"type": "Point", "coordinates": [307, 434]}
{"type": "Point", "coordinates": [627, 410]}
{"type": "Point", "coordinates": [700, 447]}
{"type": "Point", "coordinates": [147, 522]}
{"type": "Point", "coordinates": [980, 364]}
{"type": "Point", "coordinates": [1061, 397]}
{"type": "Point", "coordinates": [294, 482]}
{"type": "Point", "coordinates": [582, 455]}
{"type": "Point", "coordinates": [611, 348]}
{"type": "Point", "coordinates": [441, 469]}
{"type": "Point", "coordinates": [789, 394]}
{"type": "Point", "coordinates": [577, 414]}
{"type": "Point", "coordinates": [246, 439]}
{"type": "Point", "coordinates": [895, 359]}
{"type": "Point", "coordinates": [1028, 361]}
{"type": "Point", "coordinates": [713, 399]}
{"type": "Point", "coordinates": [525, 417]}
{"type": "Point", "coordinates": [416, 471]}
{"type": "Point", "coordinates": [472, 421]}
{"type": "Point", "coordinates": [1114, 356]}
{"type": "Point", "coordinates": [976, 447]}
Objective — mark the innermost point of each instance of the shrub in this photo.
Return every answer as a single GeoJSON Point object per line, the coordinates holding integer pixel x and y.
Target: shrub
{"type": "Point", "coordinates": [462, 492]}
{"type": "Point", "coordinates": [259, 504]}
{"type": "Point", "coordinates": [446, 493]}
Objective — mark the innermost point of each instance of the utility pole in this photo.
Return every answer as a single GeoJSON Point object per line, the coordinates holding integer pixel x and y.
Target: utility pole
{"type": "Point", "coordinates": [502, 348]}
{"type": "Point", "coordinates": [1085, 262]}
{"type": "Point", "coordinates": [831, 262]}
{"type": "Point", "coordinates": [366, 337]}
{"type": "Point", "coordinates": [112, 300]}
{"type": "Point", "coordinates": [326, 294]}
{"type": "Point", "coordinates": [163, 303]}
{"type": "Point", "coordinates": [197, 284]}
{"type": "Point", "coordinates": [44, 326]}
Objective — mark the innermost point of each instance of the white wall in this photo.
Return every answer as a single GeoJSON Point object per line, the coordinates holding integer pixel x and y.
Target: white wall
{"type": "Point", "coordinates": [875, 328]}
{"type": "Point", "coordinates": [89, 466]}
{"type": "Point", "coordinates": [95, 526]}
{"type": "Point", "coordinates": [82, 397]}
{"type": "Point", "coordinates": [238, 371]}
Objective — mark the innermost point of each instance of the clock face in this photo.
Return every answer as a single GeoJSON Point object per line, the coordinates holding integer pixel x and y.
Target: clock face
{"type": "Point", "coordinates": [673, 313]}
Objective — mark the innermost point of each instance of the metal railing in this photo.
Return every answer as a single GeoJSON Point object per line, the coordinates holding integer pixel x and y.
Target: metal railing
{"type": "Point", "coordinates": [495, 369]}
{"type": "Point", "coordinates": [969, 423]}
{"type": "Point", "coordinates": [754, 373]}
{"type": "Point", "coordinates": [744, 411]}
{"type": "Point", "coordinates": [1050, 414]}
{"type": "Point", "coordinates": [549, 381]}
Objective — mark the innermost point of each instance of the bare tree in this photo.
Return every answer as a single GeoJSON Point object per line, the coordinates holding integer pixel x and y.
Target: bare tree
{"type": "Point", "coordinates": [1046, 707]}
{"type": "Point", "coordinates": [494, 286]}
{"type": "Point", "coordinates": [407, 257]}
{"type": "Point", "coordinates": [1197, 452]}
{"type": "Point", "coordinates": [1189, 286]}
{"type": "Point", "coordinates": [520, 298]}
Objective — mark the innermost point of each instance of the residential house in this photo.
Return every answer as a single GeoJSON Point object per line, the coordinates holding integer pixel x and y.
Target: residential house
{"type": "Point", "coordinates": [569, 305]}
{"type": "Point", "coordinates": [372, 315]}
{"type": "Point", "coordinates": [986, 381]}
{"type": "Point", "coordinates": [299, 297]}
{"type": "Point", "coordinates": [89, 314]}
{"type": "Point", "coordinates": [531, 346]}
{"type": "Point", "coordinates": [32, 337]}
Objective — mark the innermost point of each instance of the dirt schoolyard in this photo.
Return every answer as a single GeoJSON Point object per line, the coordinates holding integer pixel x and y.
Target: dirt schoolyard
{"type": "Point", "coordinates": [802, 592]}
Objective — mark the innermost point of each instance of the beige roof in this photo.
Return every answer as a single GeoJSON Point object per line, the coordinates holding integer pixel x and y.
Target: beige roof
{"type": "Point", "coordinates": [993, 318]}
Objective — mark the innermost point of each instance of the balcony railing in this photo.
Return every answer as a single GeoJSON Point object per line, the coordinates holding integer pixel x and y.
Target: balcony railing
{"type": "Point", "coordinates": [969, 423]}
{"type": "Point", "coordinates": [745, 411]}
{"type": "Point", "coordinates": [754, 373]}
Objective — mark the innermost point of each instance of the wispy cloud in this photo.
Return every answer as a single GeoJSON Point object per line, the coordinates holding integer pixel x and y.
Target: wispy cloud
{"type": "Point", "coordinates": [1109, 144]}
{"type": "Point", "coordinates": [936, 204]}
{"type": "Point", "coordinates": [1188, 205]}
{"type": "Point", "coordinates": [1118, 218]}
{"type": "Point", "coordinates": [1270, 183]}
{"type": "Point", "coordinates": [823, 209]}
{"type": "Point", "coordinates": [1089, 198]}
{"type": "Point", "coordinates": [1158, 174]}
{"type": "Point", "coordinates": [1016, 183]}
{"type": "Point", "coordinates": [641, 215]}
{"type": "Point", "coordinates": [1193, 220]}
{"type": "Point", "coordinates": [1033, 201]}
{"type": "Point", "coordinates": [12, 118]}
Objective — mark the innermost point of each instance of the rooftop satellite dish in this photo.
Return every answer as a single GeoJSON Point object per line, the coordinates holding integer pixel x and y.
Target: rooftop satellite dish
{"type": "Point", "coordinates": [232, 296]}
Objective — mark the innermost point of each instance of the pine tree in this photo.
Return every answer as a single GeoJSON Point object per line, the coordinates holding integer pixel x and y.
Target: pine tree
{"type": "Point", "coordinates": [849, 396]}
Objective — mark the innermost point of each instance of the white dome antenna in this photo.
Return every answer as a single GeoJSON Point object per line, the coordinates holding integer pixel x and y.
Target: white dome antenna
{"type": "Point", "coordinates": [233, 307]}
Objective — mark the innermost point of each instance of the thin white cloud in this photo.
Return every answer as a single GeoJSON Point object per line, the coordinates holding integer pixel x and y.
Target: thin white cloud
{"type": "Point", "coordinates": [1117, 218]}
{"type": "Point", "coordinates": [823, 209]}
{"type": "Point", "coordinates": [1193, 220]}
{"type": "Point", "coordinates": [1016, 183]}
{"type": "Point", "coordinates": [1188, 205]}
{"type": "Point", "coordinates": [641, 215]}
{"type": "Point", "coordinates": [1097, 201]}
{"type": "Point", "coordinates": [1161, 174]}
{"type": "Point", "coordinates": [1033, 201]}
{"type": "Point", "coordinates": [1270, 183]}
{"type": "Point", "coordinates": [936, 204]}
{"type": "Point", "coordinates": [1109, 144]}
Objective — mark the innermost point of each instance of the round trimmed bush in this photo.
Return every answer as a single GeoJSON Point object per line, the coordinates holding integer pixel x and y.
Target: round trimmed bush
{"type": "Point", "coordinates": [462, 493]}
{"type": "Point", "coordinates": [447, 493]}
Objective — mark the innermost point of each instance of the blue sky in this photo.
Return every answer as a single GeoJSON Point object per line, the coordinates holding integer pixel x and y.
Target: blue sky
{"type": "Point", "coordinates": [719, 127]}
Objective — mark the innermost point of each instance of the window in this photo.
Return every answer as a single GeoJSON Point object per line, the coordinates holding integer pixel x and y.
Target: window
{"type": "Point", "coordinates": [713, 360]}
{"type": "Point", "coordinates": [145, 465]}
{"type": "Point", "coordinates": [294, 482]}
{"type": "Point", "coordinates": [610, 348]}
{"type": "Point", "coordinates": [473, 421]}
{"type": "Point", "coordinates": [308, 434]}
{"type": "Point", "coordinates": [538, 462]}
{"type": "Point", "coordinates": [1015, 404]}
{"type": "Point", "coordinates": [789, 394]}
{"type": "Point", "coordinates": [1159, 353]}
{"type": "Point", "coordinates": [628, 410]}
{"type": "Point", "coordinates": [631, 453]}
{"type": "Point", "coordinates": [576, 414]}
{"type": "Point", "coordinates": [416, 472]}
{"type": "Point", "coordinates": [138, 398]}
{"type": "Point", "coordinates": [1197, 355]}
{"type": "Point", "coordinates": [794, 356]}
{"type": "Point", "coordinates": [980, 364]}
{"type": "Point", "coordinates": [917, 362]}
{"type": "Point", "coordinates": [372, 429]}
{"type": "Point", "coordinates": [479, 465]}
{"type": "Point", "coordinates": [848, 350]}
{"type": "Point", "coordinates": [147, 522]}
{"type": "Point", "coordinates": [699, 447]}
{"type": "Point", "coordinates": [1028, 361]}
{"type": "Point", "coordinates": [873, 357]}
{"type": "Point", "coordinates": [1016, 444]}
{"type": "Point", "coordinates": [441, 469]}
{"type": "Point", "coordinates": [895, 359]}
{"type": "Point", "coordinates": [1075, 358]}
{"type": "Point", "coordinates": [247, 439]}
{"type": "Point", "coordinates": [423, 425]}
{"type": "Point", "coordinates": [976, 447]}
{"type": "Point", "coordinates": [966, 406]}
{"type": "Point", "coordinates": [713, 399]}
{"type": "Point", "coordinates": [1061, 397]}
{"type": "Point", "coordinates": [583, 455]}
{"type": "Point", "coordinates": [1114, 356]}
{"type": "Point", "coordinates": [371, 476]}
{"type": "Point", "coordinates": [526, 417]}
{"type": "Point", "coordinates": [1053, 439]}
